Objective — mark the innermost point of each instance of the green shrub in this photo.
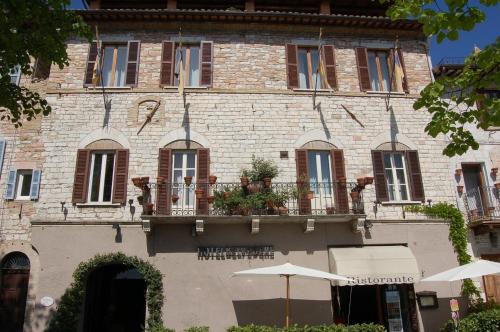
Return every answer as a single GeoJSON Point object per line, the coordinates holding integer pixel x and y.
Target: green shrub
{"type": "Point", "coordinates": [261, 169]}
{"type": "Point", "coordinates": [198, 329]}
{"type": "Point", "coordinates": [479, 305]}
{"type": "Point", "coordinates": [318, 328]}
{"type": "Point", "coordinates": [485, 321]}
{"type": "Point", "coordinates": [159, 328]}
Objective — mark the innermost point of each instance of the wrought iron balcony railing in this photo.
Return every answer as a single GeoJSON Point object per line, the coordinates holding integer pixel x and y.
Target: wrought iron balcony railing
{"type": "Point", "coordinates": [482, 203]}
{"type": "Point", "coordinates": [230, 199]}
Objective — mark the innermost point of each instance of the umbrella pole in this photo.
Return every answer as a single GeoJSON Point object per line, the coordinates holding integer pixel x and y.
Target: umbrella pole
{"type": "Point", "coordinates": [287, 304]}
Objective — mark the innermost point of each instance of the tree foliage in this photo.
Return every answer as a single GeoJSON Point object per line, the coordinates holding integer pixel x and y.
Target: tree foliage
{"type": "Point", "coordinates": [32, 29]}
{"type": "Point", "coordinates": [458, 112]}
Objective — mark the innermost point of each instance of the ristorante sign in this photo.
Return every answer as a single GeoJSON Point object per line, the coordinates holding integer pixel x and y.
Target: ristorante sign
{"type": "Point", "coordinates": [375, 280]}
{"type": "Point", "coordinates": [259, 252]}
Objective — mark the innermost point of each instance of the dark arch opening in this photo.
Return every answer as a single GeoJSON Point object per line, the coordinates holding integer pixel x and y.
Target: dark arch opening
{"type": "Point", "coordinates": [14, 273]}
{"type": "Point", "coordinates": [115, 300]}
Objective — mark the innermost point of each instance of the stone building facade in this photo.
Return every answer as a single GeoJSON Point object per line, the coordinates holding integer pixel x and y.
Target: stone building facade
{"type": "Point", "coordinates": [249, 108]}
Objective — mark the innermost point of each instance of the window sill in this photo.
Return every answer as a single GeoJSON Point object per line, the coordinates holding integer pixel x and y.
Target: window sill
{"type": "Point", "coordinates": [398, 93]}
{"type": "Point", "coordinates": [401, 203]}
{"type": "Point", "coordinates": [312, 90]}
{"type": "Point", "coordinates": [109, 87]}
{"type": "Point", "coordinates": [186, 88]}
{"type": "Point", "coordinates": [96, 204]}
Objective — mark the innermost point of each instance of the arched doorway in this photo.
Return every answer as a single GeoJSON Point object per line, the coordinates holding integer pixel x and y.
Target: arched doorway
{"type": "Point", "coordinates": [115, 300]}
{"type": "Point", "coordinates": [15, 273]}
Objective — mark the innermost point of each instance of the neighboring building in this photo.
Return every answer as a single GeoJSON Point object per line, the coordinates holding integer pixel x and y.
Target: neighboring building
{"type": "Point", "coordinates": [478, 187]}
{"type": "Point", "coordinates": [250, 74]}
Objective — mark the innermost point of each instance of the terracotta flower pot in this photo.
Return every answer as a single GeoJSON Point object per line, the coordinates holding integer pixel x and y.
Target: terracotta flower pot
{"type": "Point", "coordinates": [145, 180]}
{"type": "Point", "coordinates": [188, 180]}
{"type": "Point", "coordinates": [361, 182]}
{"type": "Point", "coordinates": [227, 194]}
{"type": "Point", "coordinates": [137, 182]}
{"type": "Point", "coordinates": [175, 198]}
{"type": "Point", "coordinates": [199, 193]}
{"type": "Point", "coordinates": [330, 210]}
{"type": "Point", "coordinates": [460, 190]}
{"type": "Point", "coordinates": [267, 182]}
{"type": "Point", "coordinates": [244, 181]}
{"type": "Point", "coordinates": [458, 172]}
{"type": "Point", "coordinates": [497, 185]}
{"type": "Point", "coordinates": [148, 208]}
{"type": "Point", "coordinates": [160, 179]}
{"type": "Point", "coordinates": [282, 210]}
{"type": "Point", "coordinates": [210, 199]}
{"type": "Point", "coordinates": [212, 179]}
{"type": "Point", "coordinates": [354, 196]}
{"type": "Point", "coordinates": [310, 195]}
{"type": "Point", "coordinates": [270, 204]}
{"type": "Point", "coordinates": [140, 199]}
{"type": "Point", "coordinates": [368, 180]}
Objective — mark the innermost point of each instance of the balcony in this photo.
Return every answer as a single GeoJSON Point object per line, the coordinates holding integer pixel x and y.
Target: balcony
{"type": "Point", "coordinates": [483, 206]}
{"type": "Point", "coordinates": [269, 202]}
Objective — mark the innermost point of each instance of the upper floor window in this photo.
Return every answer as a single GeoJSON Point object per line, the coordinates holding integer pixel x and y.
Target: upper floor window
{"type": "Point", "coordinates": [397, 179]}
{"type": "Point", "coordinates": [102, 167]}
{"type": "Point", "coordinates": [308, 68]}
{"type": "Point", "coordinates": [113, 65]}
{"type": "Point", "coordinates": [15, 75]}
{"type": "Point", "coordinates": [378, 62]}
{"type": "Point", "coordinates": [190, 56]}
{"type": "Point", "coordinates": [320, 174]}
{"type": "Point", "coordinates": [183, 165]}
{"type": "Point", "coordinates": [23, 184]}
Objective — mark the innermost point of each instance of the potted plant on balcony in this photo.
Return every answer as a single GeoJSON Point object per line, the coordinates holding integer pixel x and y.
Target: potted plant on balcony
{"type": "Point", "coordinates": [354, 195]}
{"type": "Point", "coordinates": [361, 182]}
{"type": "Point", "coordinates": [175, 198]}
{"type": "Point", "coordinates": [212, 179]}
{"type": "Point", "coordinates": [460, 190]}
{"type": "Point", "coordinates": [147, 209]}
{"type": "Point", "coordinates": [188, 180]}
{"type": "Point", "coordinates": [210, 199]}
{"type": "Point", "coordinates": [140, 199]}
{"type": "Point", "coordinates": [160, 180]}
{"type": "Point", "coordinates": [368, 180]}
{"type": "Point", "coordinates": [310, 195]}
{"type": "Point", "coordinates": [330, 210]}
{"type": "Point", "coordinates": [199, 193]}
{"type": "Point", "coordinates": [137, 182]}
{"type": "Point", "coordinates": [262, 170]}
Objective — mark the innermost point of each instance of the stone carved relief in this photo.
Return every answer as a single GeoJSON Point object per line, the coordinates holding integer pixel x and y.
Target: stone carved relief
{"type": "Point", "coordinates": [141, 108]}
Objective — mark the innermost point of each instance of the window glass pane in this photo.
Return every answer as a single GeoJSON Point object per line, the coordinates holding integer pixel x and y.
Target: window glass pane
{"type": "Point", "coordinates": [121, 66]}
{"type": "Point", "coordinates": [398, 160]}
{"type": "Point", "coordinates": [108, 177]}
{"type": "Point", "coordinates": [194, 66]}
{"type": "Point", "coordinates": [325, 166]}
{"type": "Point", "coordinates": [107, 65]}
{"type": "Point", "coordinates": [178, 68]}
{"type": "Point", "coordinates": [388, 175]}
{"type": "Point", "coordinates": [26, 184]}
{"type": "Point", "coordinates": [401, 176]}
{"type": "Point", "coordinates": [385, 70]}
{"type": "Point", "coordinates": [392, 193]}
{"type": "Point", "coordinates": [303, 72]}
{"type": "Point", "coordinates": [314, 64]}
{"type": "Point", "coordinates": [313, 168]}
{"type": "Point", "coordinates": [178, 176]}
{"type": "Point", "coordinates": [372, 66]}
{"type": "Point", "coordinates": [190, 172]}
{"type": "Point", "coordinates": [404, 193]}
{"type": "Point", "coordinates": [96, 178]}
{"type": "Point", "coordinates": [387, 160]}
{"type": "Point", "coordinates": [190, 160]}
{"type": "Point", "coordinates": [177, 160]}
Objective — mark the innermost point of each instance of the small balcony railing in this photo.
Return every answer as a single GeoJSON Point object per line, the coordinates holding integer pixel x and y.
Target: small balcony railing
{"type": "Point", "coordinates": [233, 199]}
{"type": "Point", "coordinates": [482, 204]}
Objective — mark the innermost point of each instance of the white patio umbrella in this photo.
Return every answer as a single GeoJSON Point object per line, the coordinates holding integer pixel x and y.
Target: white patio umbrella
{"type": "Point", "coordinates": [288, 270]}
{"type": "Point", "coordinates": [475, 269]}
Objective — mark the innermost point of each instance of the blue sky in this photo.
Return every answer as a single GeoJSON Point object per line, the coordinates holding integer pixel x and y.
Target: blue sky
{"type": "Point", "coordinates": [483, 34]}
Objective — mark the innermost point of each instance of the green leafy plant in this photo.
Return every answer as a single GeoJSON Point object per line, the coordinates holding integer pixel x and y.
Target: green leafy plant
{"type": "Point", "coordinates": [66, 317]}
{"type": "Point", "coordinates": [261, 169]}
{"type": "Point", "coordinates": [159, 328]}
{"type": "Point", "coordinates": [33, 30]}
{"type": "Point", "coordinates": [485, 321]}
{"type": "Point", "coordinates": [198, 329]}
{"type": "Point", "coordinates": [481, 71]}
{"type": "Point", "coordinates": [457, 235]}
{"type": "Point", "coordinates": [318, 328]}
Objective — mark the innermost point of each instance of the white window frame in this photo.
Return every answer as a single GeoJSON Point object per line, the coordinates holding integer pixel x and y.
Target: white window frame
{"type": "Point", "coordinates": [113, 82]}
{"type": "Point", "coordinates": [310, 73]}
{"type": "Point", "coordinates": [17, 74]}
{"type": "Point", "coordinates": [20, 181]}
{"type": "Point", "coordinates": [187, 64]}
{"type": "Point", "coordinates": [102, 177]}
{"type": "Point", "coordinates": [323, 187]}
{"type": "Point", "coordinates": [180, 186]}
{"type": "Point", "coordinates": [395, 181]}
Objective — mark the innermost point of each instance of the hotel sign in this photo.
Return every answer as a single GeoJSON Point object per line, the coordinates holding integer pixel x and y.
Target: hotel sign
{"type": "Point", "coordinates": [258, 252]}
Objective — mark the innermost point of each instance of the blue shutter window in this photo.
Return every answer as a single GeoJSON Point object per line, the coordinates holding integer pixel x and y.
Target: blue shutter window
{"type": "Point", "coordinates": [2, 152]}
{"type": "Point", "coordinates": [35, 184]}
{"type": "Point", "coordinates": [11, 184]}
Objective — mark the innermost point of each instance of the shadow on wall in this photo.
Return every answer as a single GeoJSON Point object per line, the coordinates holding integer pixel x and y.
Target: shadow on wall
{"type": "Point", "coordinates": [434, 319]}
{"type": "Point", "coordinates": [272, 312]}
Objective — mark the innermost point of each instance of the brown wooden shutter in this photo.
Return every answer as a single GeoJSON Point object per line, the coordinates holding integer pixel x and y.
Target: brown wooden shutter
{"type": "Point", "coordinates": [405, 79]}
{"type": "Point", "coordinates": [120, 177]}
{"type": "Point", "coordinates": [167, 63]}
{"type": "Point", "coordinates": [363, 72]}
{"type": "Point", "coordinates": [303, 203]}
{"type": "Point", "coordinates": [163, 191]}
{"type": "Point", "coordinates": [203, 172]}
{"type": "Point", "coordinates": [416, 184]}
{"type": "Point", "coordinates": [339, 177]}
{"type": "Point", "coordinates": [91, 62]}
{"type": "Point", "coordinates": [379, 175]}
{"type": "Point", "coordinates": [331, 71]}
{"type": "Point", "coordinates": [292, 66]}
{"type": "Point", "coordinates": [81, 176]}
{"type": "Point", "coordinates": [134, 47]}
{"type": "Point", "coordinates": [206, 63]}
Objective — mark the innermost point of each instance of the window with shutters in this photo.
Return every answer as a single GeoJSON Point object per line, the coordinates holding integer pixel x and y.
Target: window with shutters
{"type": "Point", "coordinates": [114, 65]}
{"type": "Point", "coordinates": [183, 164]}
{"type": "Point", "coordinates": [187, 56]}
{"type": "Point", "coordinates": [320, 173]}
{"type": "Point", "coordinates": [396, 177]}
{"type": "Point", "coordinates": [386, 72]}
{"type": "Point", "coordinates": [23, 186]}
{"type": "Point", "coordinates": [309, 77]}
{"type": "Point", "coordinates": [102, 165]}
